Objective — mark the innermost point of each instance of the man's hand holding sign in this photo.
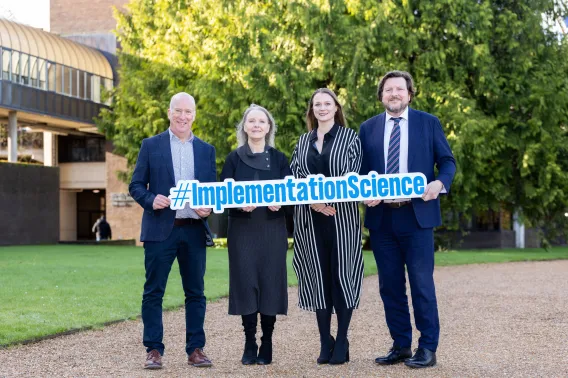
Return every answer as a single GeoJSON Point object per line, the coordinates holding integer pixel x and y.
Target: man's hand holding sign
{"type": "Point", "coordinates": [161, 202]}
{"type": "Point", "coordinates": [432, 192]}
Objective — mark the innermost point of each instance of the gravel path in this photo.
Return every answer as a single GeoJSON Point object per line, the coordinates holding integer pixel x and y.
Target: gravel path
{"type": "Point", "coordinates": [496, 320]}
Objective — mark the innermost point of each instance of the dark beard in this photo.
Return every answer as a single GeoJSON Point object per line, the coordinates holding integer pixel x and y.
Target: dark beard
{"type": "Point", "coordinates": [397, 109]}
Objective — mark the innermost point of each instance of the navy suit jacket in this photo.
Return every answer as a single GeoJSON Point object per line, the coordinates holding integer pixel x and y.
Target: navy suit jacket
{"type": "Point", "coordinates": [154, 174]}
{"type": "Point", "coordinates": [427, 146]}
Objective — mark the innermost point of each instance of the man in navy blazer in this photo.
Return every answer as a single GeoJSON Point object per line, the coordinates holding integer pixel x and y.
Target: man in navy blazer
{"type": "Point", "coordinates": [404, 140]}
{"type": "Point", "coordinates": [163, 160]}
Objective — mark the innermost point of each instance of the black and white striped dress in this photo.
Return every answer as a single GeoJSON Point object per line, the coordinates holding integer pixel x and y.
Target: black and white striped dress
{"type": "Point", "coordinates": [345, 157]}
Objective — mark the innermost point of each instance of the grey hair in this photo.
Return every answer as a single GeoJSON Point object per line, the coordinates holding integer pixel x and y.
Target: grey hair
{"type": "Point", "coordinates": [179, 95]}
{"type": "Point", "coordinates": [242, 137]}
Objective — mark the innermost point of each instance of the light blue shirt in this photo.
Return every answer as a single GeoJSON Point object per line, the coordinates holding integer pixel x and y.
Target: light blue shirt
{"type": "Point", "coordinates": [184, 168]}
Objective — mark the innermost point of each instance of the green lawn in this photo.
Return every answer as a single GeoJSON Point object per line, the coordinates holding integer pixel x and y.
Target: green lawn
{"type": "Point", "coordinates": [45, 290]}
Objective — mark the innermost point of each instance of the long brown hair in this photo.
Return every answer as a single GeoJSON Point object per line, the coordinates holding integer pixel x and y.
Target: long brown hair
{"type": "Point", "coordinates": [311, 120]}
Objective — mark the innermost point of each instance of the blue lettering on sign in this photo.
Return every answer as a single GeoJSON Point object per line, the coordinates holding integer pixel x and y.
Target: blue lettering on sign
{"type": "Point", "coordinates": [292, 191]}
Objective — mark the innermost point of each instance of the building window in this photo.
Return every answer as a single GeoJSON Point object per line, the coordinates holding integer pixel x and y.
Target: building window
{"type": "Point", "coordinates": [88, 90]}
{"type": "Point", "coordinates": [96, 88]}
{"type": "Point", "coordinates": [51, 76]}
{"type": "Point", "coordinates": [25, 69]}
{"type": "Point", "coordinates": [42, 74]}
{"type": "Point", "coordinates": [15, 67]}
{"type": "Point", "coordinates": [74, 149]}
{"type": "Point", "coordinates": [74, 82]}
{"type": "Point", "coordinates": [68, 80]}
{"type": "Point", "coordinates": [33, 71]}
{"type": "Point", "coordinates": [6, 59]}
{"type": "Point", "coordinates": [81, 81]}
{"type": "Point", "coordinates": [30, 70]}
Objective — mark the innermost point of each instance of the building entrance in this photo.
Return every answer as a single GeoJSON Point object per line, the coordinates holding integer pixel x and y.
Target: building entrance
{"type": "Point", "coordinates": [90, 206]}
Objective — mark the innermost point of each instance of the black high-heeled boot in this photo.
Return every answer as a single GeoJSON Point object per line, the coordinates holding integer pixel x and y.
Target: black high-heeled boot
{"type": "Point", "coordinates": [265, 351]}
{"type": "Point", "coordinates": [340, 353]}
{"type": "Point", "coordinates": [327, 341]}
{"type": "Point", "coordinates": [341, 350]}
{"type": "Point", "coordinates": [251, 347]}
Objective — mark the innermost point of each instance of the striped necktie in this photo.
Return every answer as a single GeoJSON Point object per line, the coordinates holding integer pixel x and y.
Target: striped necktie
{"type": "Point", "coordinates": [394, 148]}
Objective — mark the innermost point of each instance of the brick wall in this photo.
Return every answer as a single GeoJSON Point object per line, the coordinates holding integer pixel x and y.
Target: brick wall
{"type": "Point", "coordinates": [125, 217]}
{"type": "Point", "coordinates": [83, 16]}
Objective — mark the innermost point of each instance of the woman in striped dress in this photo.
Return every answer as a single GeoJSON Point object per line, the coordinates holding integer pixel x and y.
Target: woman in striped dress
{"type": "Point", "coordinates": [327, 236]}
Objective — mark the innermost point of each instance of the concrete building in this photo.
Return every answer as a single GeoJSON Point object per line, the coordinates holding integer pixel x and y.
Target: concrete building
{"type": "Point", "coordinates": [91, 23]}
{"type": "Point", "coordinates": [56, 86]}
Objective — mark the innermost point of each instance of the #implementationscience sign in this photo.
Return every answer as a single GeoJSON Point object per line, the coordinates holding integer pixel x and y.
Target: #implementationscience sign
{"type": "Point", "coordinates": [292, 191]}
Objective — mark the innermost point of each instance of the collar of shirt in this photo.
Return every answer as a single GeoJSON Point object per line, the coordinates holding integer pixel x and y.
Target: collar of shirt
{"type": "Point", "coordinates": [404, 115]}
{"type": "Point", "coordinates": [173, 137]}
{"type": "Point", "coordinates": [332, 133]}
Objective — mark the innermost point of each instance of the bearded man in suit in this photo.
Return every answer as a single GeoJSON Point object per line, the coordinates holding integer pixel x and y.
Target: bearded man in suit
{"type": "Point", "coordinates": [404, 140]}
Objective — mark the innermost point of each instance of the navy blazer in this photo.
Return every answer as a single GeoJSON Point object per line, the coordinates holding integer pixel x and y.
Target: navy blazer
{"type": "Point", "coordinates": [154, 174]}
{"type": "Point", "coordinates": [427, 146]}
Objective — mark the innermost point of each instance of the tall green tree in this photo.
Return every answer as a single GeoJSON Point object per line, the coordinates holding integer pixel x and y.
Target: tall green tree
{"type": "Point", "coordinates": [492, 71]}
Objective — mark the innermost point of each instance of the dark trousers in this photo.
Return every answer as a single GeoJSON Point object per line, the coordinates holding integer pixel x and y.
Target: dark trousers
{"type": "Point", "coordinates": [400, 241]}
{"type": "Point", "coordinates": [328, 255]}
{"type": "Point", "coordinates": [187, 243]}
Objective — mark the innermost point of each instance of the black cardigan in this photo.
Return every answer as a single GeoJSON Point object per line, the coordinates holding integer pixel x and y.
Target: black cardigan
{"type": "Point", "coordinates": [239, 170]}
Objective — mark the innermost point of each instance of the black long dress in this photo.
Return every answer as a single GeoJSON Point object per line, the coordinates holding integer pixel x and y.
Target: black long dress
{"type": "Point", "coordinates": [257, 241]}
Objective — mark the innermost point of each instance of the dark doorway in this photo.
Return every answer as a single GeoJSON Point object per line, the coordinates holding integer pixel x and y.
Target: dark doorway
{"type": "Point", "coordinates": [90, 207]}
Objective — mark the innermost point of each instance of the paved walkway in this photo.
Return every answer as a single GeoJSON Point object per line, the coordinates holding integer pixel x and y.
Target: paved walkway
{"type": "Point", "coordinates": [496, 320]}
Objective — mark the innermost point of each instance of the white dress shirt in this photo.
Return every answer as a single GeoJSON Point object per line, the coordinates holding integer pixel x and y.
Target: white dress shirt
{"type": "Point", "coordinates": [403, 158]}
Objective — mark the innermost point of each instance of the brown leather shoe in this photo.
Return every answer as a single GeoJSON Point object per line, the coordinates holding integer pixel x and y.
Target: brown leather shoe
{"type": "Point", "coordinates": [199, 359]}
{"type": "Point", "coordinates": [153, 360]}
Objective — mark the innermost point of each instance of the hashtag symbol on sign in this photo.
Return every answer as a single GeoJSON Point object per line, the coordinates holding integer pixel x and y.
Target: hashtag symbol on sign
{"type": "Point", "coordinates": [181, 195]}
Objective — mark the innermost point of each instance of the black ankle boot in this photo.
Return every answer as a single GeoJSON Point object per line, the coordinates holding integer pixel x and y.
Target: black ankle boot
{"type": "Point", "coordinates": [265, 352]}
{"type": "Point", "coordinates": [326, 351]}
{"type": "Point", "coordinates": [340, 353]}
{"type": "Point", "coordinates": [251, 347]}
{"type": "Point", "coordinates": [327, 341]}
{"type": "Point", "coordinates": [341, 350]}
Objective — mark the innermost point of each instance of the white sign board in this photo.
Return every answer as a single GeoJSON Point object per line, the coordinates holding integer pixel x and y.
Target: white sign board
{"type": "Point", "coordinates": [292, 191]}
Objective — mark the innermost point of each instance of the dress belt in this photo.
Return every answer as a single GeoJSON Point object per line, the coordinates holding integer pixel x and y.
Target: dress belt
{"type": "Point", "coordinates": [397, 205]}
{"type": "Point", "coordinates": [186, 221]}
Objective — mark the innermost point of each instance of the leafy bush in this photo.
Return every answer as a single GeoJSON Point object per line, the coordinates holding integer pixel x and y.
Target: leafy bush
{"type": "Point", "coordinates": [222, 243]}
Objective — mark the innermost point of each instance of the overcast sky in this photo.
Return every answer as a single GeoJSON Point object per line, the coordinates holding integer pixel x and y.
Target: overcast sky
{"type": "Point", "coordinates": [30, 12]}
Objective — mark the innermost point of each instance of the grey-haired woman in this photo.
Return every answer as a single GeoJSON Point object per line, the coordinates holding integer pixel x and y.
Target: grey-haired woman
{"type": "Point", "coordinates": [257, 237]}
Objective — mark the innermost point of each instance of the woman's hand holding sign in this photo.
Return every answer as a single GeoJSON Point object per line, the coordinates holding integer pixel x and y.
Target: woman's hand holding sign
{"type": "Point", "coordinates": [248, 209]}
{"type": "Point", "coordinates": [324, 209]}
{"type": "Point", "coordinates": [372, 203]}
